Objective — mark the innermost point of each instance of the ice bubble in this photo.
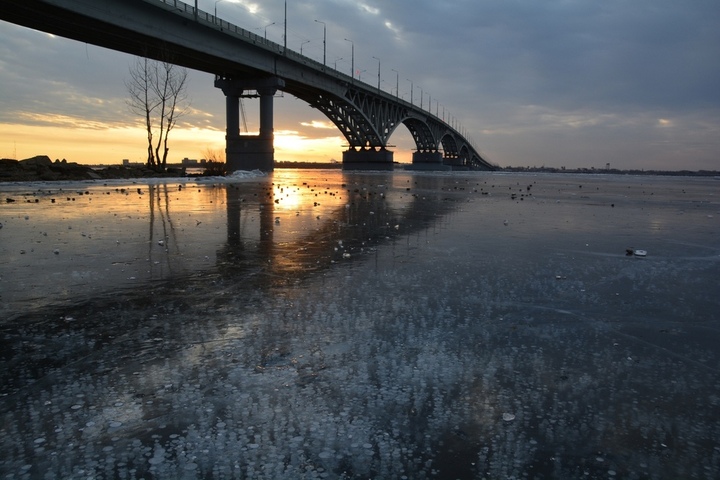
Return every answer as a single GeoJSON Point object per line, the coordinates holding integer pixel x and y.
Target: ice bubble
{"type": "Point", "coordinates": [325, 454]}
{"type": "Point", "coordinates": [508, 417]}
{"type": "Point", "coordinates": [115, 424]}
{"type": "Point", "coordinates": [76, 407]}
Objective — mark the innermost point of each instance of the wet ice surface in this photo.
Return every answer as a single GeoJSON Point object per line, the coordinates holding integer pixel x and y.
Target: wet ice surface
{"type": "Point", "coordinates": [330, 325]}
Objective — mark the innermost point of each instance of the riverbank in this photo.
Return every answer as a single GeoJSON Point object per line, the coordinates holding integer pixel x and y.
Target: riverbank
{"type": "Point", "coordinates": [41, 168]}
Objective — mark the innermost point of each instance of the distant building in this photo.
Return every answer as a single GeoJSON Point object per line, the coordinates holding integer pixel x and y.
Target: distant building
{"type": "Point", "coordinates": [188, 162]}
{"type": "Point", "coordinates": [128, 163]}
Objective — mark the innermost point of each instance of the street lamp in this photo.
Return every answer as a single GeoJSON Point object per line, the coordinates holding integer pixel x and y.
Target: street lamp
{"type": "Point", "coordinates": [217, 1]}
{"type": "Point", "coordinates": [301, 45]}
{"type": "Point", "coordinates": [397, 83]}
{"type": "Point", "coordinates": [324, 40]}
{"type": "Point", "coordinates": [336, 60]}
{"type": "Point", "coordinates": [376, 58]}
{"type": "Point", "coordinates": [352, 59]}
{"type": "Point", "coordinates": [412, 88]}
{"type": "Point", "coordinates": [269, 24]}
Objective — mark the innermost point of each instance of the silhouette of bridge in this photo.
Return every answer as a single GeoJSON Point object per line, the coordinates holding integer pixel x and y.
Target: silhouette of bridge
{"type": "Point", "coordinates": [248, 65]}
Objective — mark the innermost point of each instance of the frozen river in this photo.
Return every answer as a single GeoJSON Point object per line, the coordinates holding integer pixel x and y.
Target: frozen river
{"type": "Point", "coordinates": [321, 324]}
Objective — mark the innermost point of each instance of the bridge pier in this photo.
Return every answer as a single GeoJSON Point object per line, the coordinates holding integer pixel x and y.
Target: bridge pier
{"type": "Point", "coordinates": [427, 161]}
{"type": "Point", "coordinates": [457, 163]}
{"type": "Point", "coordinates": [249, 152]}
{"type": "Point", "coordinates": [367, 159]}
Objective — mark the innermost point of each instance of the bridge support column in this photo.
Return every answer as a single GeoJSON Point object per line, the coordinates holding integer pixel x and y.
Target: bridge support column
{"type": "Point", "coordinates": [249, 152]}
{"type": "Point", "coordinates": [457, 163]}
{"type": "Point", "coordinates": [427, 161]}
{"type": "Point", "coordinates": [365, 159]}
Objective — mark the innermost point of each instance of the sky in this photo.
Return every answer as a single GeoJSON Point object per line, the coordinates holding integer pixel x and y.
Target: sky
{"type": "Point", "coordinates": [558, 83]}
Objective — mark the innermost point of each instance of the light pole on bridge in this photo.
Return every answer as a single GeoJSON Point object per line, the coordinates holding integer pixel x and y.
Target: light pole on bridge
{"type": "Point", "coordinates": [352, 59]}
{"type": "Point", "coordinates": [268, 25]}
{"type": "Point", "coordinates": [324, 40]}
{"type": "Point", "coordinates": [397, 83]}
{"type": "Point", "coordinates": [216, 2]}
{"type": "Point", "coordinates": [412, 88]}
{"type": "Point", "coordinates": [376, 58]}
{"type": "Point", "coordinates": [302, 44]}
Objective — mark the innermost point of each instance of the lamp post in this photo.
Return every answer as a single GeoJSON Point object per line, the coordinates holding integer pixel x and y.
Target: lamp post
{"type": "Point", "coordinates": [421, 97]}
{"type": "Point", "coordinates": [268, 25]}
{"type": "Point", "coordinates": [412, 88]}
{"type": "Point", "coordinates": [336, 60]}
{"type": "Point", "coordinates": [324, 40]}
{"type": "Point", "coordinates": [352, 59]}
{"type": "Point", "coordinates": [397, 83]}
{"type": "Point", "coordinates": [376, 58]}
{"type": "Point", "coordinates": [301, 45]}
{"type": "Point", "coordinates": [217, 1]}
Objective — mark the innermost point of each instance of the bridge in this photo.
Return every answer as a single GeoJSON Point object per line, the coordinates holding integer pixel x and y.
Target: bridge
{"type": "Point", "coordinates": [248, 65]}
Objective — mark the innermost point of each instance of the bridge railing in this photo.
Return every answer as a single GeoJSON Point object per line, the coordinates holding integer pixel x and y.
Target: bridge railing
{"type": "Point", "coordinates": [189, 11]}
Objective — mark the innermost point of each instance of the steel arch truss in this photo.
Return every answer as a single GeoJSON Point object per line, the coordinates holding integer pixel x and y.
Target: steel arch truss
{"type": "Point", "coordinates": [366, 120]}
{"type": "Point", "coordinates": [421, 133]}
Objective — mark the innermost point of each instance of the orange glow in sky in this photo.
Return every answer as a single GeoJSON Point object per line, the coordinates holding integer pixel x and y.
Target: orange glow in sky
{"type": "Point", "coordinates": [96, 143]}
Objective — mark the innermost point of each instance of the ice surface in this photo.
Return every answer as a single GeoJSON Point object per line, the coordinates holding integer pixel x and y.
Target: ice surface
{"type": "Point", "coordinates": [388, 326]}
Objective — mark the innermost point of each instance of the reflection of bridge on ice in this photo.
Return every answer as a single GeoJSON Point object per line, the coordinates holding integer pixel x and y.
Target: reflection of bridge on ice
{"type": "Point", "coordinates": [246, 64]}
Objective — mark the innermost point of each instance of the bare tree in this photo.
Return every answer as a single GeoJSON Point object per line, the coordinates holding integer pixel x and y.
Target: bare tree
{"type": "Point", "coordinates": [214, 162]}
{"type": "Point", "coordinates": [158, 93]}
